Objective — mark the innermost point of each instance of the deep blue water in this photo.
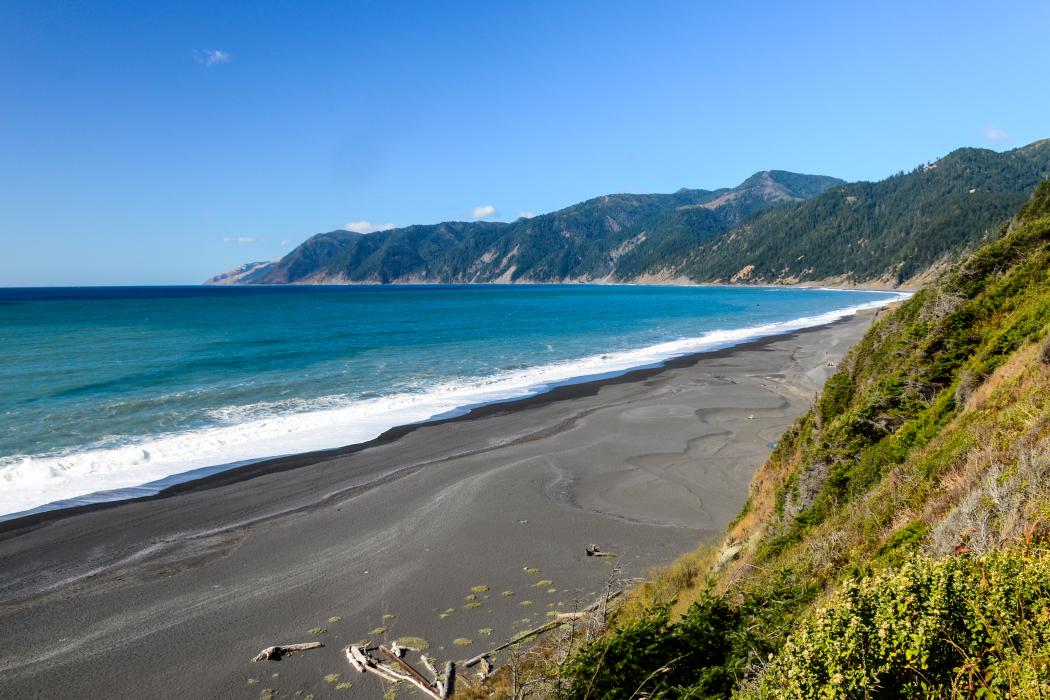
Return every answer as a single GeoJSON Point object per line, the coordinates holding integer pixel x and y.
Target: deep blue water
{"type": "Point", "coordinates": [107, 388]}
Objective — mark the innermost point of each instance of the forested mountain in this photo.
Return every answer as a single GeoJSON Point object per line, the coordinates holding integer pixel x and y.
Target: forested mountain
{"type": "Point", "coordinates": [580, 242]}
{"type": "Point", "coordinates": [775, 227]}
{"type": "Point", "coordinates": [889, 231]}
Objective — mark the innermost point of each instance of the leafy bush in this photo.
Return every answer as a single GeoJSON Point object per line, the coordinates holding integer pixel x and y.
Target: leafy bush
{"type": "Point", "coordinates": [971, 626]}
{"type": "Point", "coordinates": [653, 656]}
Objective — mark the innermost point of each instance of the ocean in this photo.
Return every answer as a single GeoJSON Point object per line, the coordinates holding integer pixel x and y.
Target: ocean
{"type": "Point", "coordinates": [110, 393]}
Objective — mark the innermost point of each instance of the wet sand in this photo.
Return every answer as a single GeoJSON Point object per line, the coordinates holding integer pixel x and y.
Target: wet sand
{"type": "Point", "coordinates": [170, 596]}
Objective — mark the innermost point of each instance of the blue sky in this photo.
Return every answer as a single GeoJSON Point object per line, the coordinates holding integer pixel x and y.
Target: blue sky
{"type": "Point", "coordinates": [158, 143]}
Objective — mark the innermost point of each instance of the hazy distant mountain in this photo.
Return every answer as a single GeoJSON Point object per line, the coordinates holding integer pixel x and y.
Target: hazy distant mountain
{"type": "Point", "coordinates": [582, 242]}
{"type": "Point", "coordinates": [776, 226]}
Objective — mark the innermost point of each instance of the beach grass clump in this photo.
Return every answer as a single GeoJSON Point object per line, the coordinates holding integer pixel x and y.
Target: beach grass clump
{"type": "Point", "coordinates": [462, 642]}
{"type": "Point", "coordinates": [552, 590]}
{"type": "Point", "coordinates": [525, 603]}
{"type": "Point", "coordinates": [472, 605]}
{"type": "Point", "coordinates": [508, 594]}
{"type": "Point", "coordinates": [332, 677]}
{"type": "Point", "coordinates": [470, 597]}
{"type": "Point", "coordinates": [480, 589]}
{"type": "Point", "coordinates": [334, 619]}
{"type": "Point", "coordinates": [485, 631]}
{"type": "Point", "coordinates": [378, 630]}
{"type": "Point", "coordinates": [388, 616]}
{"type": "Point", "coordinates": [266, 693]}
{"type": "Point", "coordinates": [253, 681]}
{"type": "Point", "coordinates": [344, 686]}
{"type": "Point", "coordinates": [414, 643]}
{"type": "Point", "coordinates": [531, 570]}
{"type": "Point", "coordinates": [542, 583]}
{"type": "Point", "coordinates": [317, 631]}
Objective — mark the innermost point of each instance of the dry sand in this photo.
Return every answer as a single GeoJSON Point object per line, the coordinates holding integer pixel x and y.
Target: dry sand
{"type": "Point", "coordinates": [171, 596]}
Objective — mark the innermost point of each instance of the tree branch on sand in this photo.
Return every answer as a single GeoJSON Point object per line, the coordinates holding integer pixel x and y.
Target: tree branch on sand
{"type": "Point", "coordinates": [275, 652]}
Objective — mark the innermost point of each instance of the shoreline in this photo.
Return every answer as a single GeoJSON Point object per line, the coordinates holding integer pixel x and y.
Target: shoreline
{"type": "Point", "coordinates": [170, 596]}
{"type": "Point", "coordinates": [674, 282]}
{"type": "Point", "coordinates": [568, 389]}
{"type": "Point", "coordinates": [177, 481]}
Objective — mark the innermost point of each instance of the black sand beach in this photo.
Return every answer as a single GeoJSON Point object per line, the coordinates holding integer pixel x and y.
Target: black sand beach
{"type": "Point", "coordinates": [171, 596]}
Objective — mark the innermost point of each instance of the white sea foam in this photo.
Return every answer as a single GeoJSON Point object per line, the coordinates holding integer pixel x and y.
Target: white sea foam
{"type": "Point", "coordinates": [257, 432]}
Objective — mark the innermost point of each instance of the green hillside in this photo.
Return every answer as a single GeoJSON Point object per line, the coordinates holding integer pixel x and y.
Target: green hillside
{"type": "Point", "coordinates": [582, 242]}
{"type": "Point", "coordinates": [889, 231]}
{"type": "Point", "coordinates": [775, 227]}
{"type": "Point", "coordinates": [896, 543]}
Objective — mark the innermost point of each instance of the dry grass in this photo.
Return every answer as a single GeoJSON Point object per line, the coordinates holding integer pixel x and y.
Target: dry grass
{"type": "Point", "coordinates": [682, 579]}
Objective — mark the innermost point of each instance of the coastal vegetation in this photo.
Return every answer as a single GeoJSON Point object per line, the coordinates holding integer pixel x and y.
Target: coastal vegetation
{"type": "Point", "coordinates": [897, 541]}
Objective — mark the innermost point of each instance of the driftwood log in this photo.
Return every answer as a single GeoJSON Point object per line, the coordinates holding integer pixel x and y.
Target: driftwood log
{"type": "Point", "coordinates": [363, 662]}
{"type": "Point", "coordinates": [561, 619]}
{"type": "Point", "coordinates": [275, 653]}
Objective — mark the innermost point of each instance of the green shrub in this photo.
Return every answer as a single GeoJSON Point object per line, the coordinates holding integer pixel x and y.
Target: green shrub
{"type": "Point", "coordinates": [969, 626]}
{"type": "Point", "coordinates": [658, 658]}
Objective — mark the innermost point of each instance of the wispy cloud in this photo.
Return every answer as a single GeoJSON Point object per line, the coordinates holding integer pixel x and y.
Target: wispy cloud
{"type": "Point", "coordinates": [367, 227]}
{"type": "Point", "coordinates": [285, 242]}
{"type": "Point", "coordinates": [485, 211]}
{"type": "Point", "coordinates": [238, 239]}
{"type": "Point", "coordinates": [525, 215]}
{"type": "Point", "coordinates": [211, 57]}
{"type": "Point", "coordinates": [994, 133]}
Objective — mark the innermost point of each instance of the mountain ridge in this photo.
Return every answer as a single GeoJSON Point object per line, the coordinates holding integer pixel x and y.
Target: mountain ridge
{"type": "Point", "coordinates": [544, 248]}
{"type": "Point", "coordinates": [776, 227]}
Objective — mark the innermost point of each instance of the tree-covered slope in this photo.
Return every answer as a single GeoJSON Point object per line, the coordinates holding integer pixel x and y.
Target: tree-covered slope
{"type": "Point", "coordinates": [582, 242]}
{"type": "Point", "coordinates": [775, 227]}
{"type": "Point", "coordinates": [896, 542]}
{"type": "Point", "coordinates": [889, 231]}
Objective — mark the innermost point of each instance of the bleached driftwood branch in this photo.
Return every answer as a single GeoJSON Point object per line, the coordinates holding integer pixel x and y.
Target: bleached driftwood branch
{"type": "Point", "coordinates": [561, 619]}
{"type": "Point", "coordinates": [275, 652]}
{"type": "Point", "coordinates": [439, 689]}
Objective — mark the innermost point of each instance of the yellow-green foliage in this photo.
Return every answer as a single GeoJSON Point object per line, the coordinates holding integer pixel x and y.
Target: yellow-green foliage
{"type": "Point", "coordinates": [967, 626]}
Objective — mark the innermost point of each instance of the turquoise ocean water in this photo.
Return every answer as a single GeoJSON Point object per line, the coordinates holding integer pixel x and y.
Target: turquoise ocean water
{"type": "Point", "coordinates": [115, 392]}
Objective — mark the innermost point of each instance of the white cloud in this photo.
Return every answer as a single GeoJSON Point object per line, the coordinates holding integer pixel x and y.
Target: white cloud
{"type": "Point", "coordinates": [238, 239]}
{"type": "Point", "coordinates": [285, 242]}
{"type": "Point", "coordinates": [367, 227]}
{"type": "Point", "coordinates": [994, 133]}
{"type": "Point", "coordinates": [485, 211]}
{"type": "Point", "coordinates": [525, 215]}
{"type": "Point", "coordinates": [211, 57]}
